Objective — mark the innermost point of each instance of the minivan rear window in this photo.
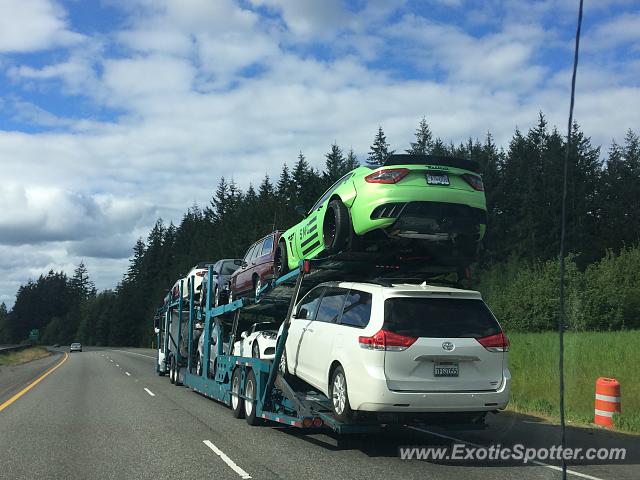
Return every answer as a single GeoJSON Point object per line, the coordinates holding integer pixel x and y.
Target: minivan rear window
{"type": "Point", "coordinates": [439, 317]}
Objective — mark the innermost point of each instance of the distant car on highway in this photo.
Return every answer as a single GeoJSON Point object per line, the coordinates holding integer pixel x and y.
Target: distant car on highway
{"type": "Point", "coordinates": [75, 347]}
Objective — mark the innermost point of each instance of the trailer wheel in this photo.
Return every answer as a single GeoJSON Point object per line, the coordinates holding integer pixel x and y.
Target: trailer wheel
{"type": "Point", "coordinates": [172, 371]}
{"type": "Point", "coordinates": [250, 402]}
{"type": "Point", "coordinates": [176, 375]}
{"type": "Point", "coordinates": [198, 365]}
{"type": "Point", "coordinates": [237, 402]}
{"type": "Point", "coordinates": [339, 395]}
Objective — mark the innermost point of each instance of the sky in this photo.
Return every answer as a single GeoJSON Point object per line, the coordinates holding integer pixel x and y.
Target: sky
{"type": "Point", "coordinates": [116, 112]}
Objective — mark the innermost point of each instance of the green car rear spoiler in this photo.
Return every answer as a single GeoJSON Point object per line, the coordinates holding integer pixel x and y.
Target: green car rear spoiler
{"type": "Point", "coordinates": [409, 159]}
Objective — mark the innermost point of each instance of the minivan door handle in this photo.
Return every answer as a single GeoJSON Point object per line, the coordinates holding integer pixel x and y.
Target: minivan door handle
{"type": "Point", "coordinates": [309, 329]}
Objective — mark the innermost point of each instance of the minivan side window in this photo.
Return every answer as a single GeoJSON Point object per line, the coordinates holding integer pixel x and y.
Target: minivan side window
{"type": "Point", "coordinates": [266, 246]}
{"type": "Point", "coordinates": [331, 305]}
{"type": "Point", "coordinates": [357, 309]}
{"type": "Point", "coordinates": [309, 304]}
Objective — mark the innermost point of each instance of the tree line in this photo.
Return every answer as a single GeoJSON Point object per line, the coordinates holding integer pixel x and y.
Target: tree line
{"type": "Point", "coordinates": [523, 185]}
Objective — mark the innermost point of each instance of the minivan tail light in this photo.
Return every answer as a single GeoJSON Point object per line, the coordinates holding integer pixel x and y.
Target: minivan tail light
{"type": "Point", "coordinates": [495, 343]}
{"type": "Point", "coordinates": [385, 340]}
{"type": "Point", "coordinates": [475, 181]}
{"type": "Point", "coordinates": [389, 175]}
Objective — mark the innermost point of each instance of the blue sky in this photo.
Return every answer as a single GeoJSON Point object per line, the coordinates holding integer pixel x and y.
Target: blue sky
{"type": "Point", "coordinates": [110, 109]}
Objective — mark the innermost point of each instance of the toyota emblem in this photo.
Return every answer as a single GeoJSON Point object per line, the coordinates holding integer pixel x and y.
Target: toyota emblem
{"type": "Point", "coordinates": [448, 346]}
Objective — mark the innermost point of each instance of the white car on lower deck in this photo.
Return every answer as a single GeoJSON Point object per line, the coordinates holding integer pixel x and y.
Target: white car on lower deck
{"type": "Point", "coordinates": [258, 342]}
{"type": "Point", "coordinates": [399, 348]}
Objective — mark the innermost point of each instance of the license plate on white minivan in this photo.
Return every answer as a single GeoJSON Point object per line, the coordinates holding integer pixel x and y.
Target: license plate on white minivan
{"type": "Point", "coordinates": [446, 369]}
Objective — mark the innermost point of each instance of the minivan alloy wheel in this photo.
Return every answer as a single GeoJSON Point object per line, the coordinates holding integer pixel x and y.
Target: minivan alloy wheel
{"type": "Point", "coordinates": [339, 393]}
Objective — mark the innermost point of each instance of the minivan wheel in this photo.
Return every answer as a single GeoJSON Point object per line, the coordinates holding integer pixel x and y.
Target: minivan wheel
{"type": "Point", "coordinates": [255, 350]}
{"type": "Point", "coordinates": [335, 228]}
{"type": "Point", "coordinates": [237, 402]}
{"type": "Point", "coordinates": [340, 396]}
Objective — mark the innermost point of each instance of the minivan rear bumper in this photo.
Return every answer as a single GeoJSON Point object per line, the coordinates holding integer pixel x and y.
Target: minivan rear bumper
{"type": "Point", "coordinates": [385, 400]}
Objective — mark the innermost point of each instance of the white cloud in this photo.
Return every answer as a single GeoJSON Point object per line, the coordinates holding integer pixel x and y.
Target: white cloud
{"type": "Point", "coordinates": [31, 25]}
{"type": "Point", "coordinates": [189, 113]}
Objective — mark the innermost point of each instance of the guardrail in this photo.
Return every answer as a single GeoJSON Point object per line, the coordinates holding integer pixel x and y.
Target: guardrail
{"type": "Point", "coordinates": [13, 348]}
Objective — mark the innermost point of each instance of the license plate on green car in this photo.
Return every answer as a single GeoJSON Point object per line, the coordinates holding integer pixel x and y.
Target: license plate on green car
{"type": "Point", "coordinates": [437, 179]}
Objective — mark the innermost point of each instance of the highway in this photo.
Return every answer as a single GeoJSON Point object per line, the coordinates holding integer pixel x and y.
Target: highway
{"type": "Point", "coordinates": [104, 413]}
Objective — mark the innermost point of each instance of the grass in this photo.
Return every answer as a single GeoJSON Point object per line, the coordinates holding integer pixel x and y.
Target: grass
{"type": "Point", "coordinates": [23, 356]}
{"type": "Point", "coordinates": [533, 359]}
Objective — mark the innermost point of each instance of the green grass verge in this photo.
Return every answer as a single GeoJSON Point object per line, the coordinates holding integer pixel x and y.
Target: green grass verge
{"type": "Point", "coordinates": [533, 360]}
{"type": "Point", "coordinates": [23, 356]}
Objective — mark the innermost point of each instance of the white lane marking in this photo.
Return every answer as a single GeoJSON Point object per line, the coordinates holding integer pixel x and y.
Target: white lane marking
{"type": "Point", "coordinates": [149, 392]}
{"type": "Point", "coordinates": [227, 460]}
{"type": "Point", "coordinates": [111, 360]}
{"type": "Point", "coordinates": [117, 365]}
{"type": "Point", "coordinates": [134, 353]}
{"type": "Point", "coordinates": [541, 464]}
{"type": "Point", "coordinates": [127, 374]}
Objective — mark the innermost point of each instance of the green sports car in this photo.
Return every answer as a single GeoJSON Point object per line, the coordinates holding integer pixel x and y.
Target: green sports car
{"type": "Point", "coordinates": [422, 206]}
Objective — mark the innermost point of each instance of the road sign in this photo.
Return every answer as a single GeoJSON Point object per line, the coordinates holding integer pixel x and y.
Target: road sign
{"type": "Point", "coordinates": [34, 335]}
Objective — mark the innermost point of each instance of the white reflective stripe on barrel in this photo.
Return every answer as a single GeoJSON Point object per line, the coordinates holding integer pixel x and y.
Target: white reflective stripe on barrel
{"type": "Point", "coordinates": [604, 413]}
{"type": "Point", "coordinates": [607, 398]}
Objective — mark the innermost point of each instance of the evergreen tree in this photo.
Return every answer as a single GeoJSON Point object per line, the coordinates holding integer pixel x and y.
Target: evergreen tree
{"type": "Point", "coordinates": [424, 139]}
{"type": "Point", "coordinates": [379, 151]}
{"type": "Point", "coordinates": [81, 284]}
{"type": "Point", "coordinates": [335, 165]}
{"type": "Point", "coordinates": [351, 161]}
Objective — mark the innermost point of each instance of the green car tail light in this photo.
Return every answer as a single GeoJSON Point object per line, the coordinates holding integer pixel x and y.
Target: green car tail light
{"type": "Point", "coordinates": [388, 176]}
{"type": "Point", "coordinates": [475, 181]}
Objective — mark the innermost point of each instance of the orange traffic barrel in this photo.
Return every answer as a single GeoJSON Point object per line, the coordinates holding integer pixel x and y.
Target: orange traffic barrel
{"type": "Point", "coordinates": [607, 401]}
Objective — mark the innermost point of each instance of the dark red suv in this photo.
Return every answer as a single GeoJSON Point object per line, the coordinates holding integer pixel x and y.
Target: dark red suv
{"type": "Point", "coordinates": [256, 268]}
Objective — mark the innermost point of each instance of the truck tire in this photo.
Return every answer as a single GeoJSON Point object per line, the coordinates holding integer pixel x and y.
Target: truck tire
{"type": "Point", "coordinates": [336, 227]}
{"type": "Point", "coordinates": [339, 395]}
{"type": "Point", "coordinates": [176, 376]}
{"type": "Point", "coordinates": [250, 390]}
{"type": "Point", "coordinates": [237, 403]}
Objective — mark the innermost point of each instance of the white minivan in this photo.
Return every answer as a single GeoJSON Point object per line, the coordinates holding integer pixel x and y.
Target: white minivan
{"type": "Point", "coordinates": [399, 348]}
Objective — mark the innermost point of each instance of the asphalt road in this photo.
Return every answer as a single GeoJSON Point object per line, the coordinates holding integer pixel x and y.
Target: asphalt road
{"type": "Point", "coordinates": [106, 414]}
